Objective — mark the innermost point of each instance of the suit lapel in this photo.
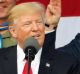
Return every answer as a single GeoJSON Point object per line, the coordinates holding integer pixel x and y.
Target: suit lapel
{"type": "Point", "coordinates": [49, 42]}
{"type": "Point", "coordinates": [46, 62]}
{"type": "Point", "coordinates": [10, 61]}
{"type": "Point", "coordinates": [45, 66]}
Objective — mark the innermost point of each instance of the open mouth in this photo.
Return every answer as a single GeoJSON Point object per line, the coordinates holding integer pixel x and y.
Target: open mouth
{"type": "Point", "coordinates": [36, 36]}
{"type": "Point", "coordinates": [3, 6]}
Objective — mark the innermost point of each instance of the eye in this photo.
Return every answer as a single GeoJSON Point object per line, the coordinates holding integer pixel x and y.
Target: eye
{"type": "Point", "coordinates": [39, 21]}
{"type": "Point", "coordinates": [27, 23]}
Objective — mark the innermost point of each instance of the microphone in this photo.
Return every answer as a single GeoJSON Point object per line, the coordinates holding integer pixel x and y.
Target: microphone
{"type": "Point", "coordinates": [31, 47]}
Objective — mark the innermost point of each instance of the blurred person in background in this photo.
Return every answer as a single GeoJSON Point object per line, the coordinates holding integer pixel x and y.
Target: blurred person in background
{"type": "Point", "coordinates": [5, 38]}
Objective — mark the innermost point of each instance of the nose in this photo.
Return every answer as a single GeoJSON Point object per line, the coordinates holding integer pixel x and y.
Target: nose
{"type": "Point", "coordinates": [35, 27]}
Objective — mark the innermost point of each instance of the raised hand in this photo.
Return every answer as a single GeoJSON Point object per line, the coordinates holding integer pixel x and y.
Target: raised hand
{"type": "Point", "coordinates": [53, 12]}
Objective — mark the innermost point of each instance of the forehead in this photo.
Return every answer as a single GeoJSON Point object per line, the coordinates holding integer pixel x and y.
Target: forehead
{"type": "Point", "coordinates": [32, 17]}
{"type": "Point", "coordinates": [26, 9]}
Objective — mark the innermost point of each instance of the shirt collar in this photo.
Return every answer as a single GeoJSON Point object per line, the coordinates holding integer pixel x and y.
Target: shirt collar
{"type": "Point", "coordinates": [38, 55]}
{"type": "Point", "coordinates": [46, 32]}
{"type": "Point", "coordinates": [20, 53]}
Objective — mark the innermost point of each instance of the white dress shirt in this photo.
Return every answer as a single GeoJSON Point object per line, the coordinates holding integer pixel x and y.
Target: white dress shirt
{"type": "Point", "coordinates": [21, 62]}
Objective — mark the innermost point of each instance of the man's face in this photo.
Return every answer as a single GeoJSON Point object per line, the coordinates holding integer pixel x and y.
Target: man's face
{"type": "Point", "coordinates": [29, 26]}
{"type": "Point", "coordinates": [5, 6]}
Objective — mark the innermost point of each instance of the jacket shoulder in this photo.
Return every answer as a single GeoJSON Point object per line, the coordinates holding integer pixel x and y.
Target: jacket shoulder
{"type": "Point", "coordinates": [7, 50]}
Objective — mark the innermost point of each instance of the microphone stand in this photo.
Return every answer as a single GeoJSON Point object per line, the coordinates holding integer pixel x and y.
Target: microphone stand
{"type": "Point", "coordinates": [29, 61]}
{"type": "Point", "coordinates": [30, 47]}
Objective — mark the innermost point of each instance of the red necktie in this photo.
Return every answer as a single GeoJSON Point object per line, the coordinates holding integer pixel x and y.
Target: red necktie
{"type": "Point", "coordinates": [26, 69]}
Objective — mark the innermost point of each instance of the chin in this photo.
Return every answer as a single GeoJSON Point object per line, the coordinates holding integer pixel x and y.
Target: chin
{"type": "Point", "coordinates": [3, 16]}
{"type": "Point", "coordinates": [41, 43]}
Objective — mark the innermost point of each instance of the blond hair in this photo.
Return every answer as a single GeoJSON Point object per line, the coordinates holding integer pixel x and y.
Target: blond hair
{"type": "Point", "coordinates": [25, 8]}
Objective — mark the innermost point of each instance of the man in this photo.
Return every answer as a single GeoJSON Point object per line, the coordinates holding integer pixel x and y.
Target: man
{"type": "Point", "coordinates": [28, 20]}
{"type": "Point", "coordinates": [5, 7]}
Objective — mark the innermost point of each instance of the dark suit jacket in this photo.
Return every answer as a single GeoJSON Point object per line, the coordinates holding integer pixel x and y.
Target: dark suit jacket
{"type": "Point", "coordinates": [52, 62]}
{"type": "Point", "coordinates": [49, 42]}
{"type": "Point", "coordinates": [73, 48]}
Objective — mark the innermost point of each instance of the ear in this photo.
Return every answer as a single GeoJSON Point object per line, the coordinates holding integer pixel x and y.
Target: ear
{"type": "Point", "coordinates": [13, 31]}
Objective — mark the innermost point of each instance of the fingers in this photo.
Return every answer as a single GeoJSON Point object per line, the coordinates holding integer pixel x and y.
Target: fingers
{"type": "Point", "coordinates": [53, 11]}
{"type": "Point", "coordinates": [55, 2]}
{"type": "Point", "coordinates": [54, 5]}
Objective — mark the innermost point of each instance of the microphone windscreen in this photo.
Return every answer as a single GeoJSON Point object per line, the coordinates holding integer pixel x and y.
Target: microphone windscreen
{"type": "Point", "coordinates": [32, 44]}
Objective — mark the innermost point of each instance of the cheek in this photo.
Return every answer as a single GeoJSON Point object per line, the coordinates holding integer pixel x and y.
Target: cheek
{"type": "Point", "coordinates": [24, 32]}
{"type": "Point", "coordinates": [21, 36]}
{"type": "Point", "coordinates": [42, 29]}
{"type": "Point", "coordinates": [11, 3]}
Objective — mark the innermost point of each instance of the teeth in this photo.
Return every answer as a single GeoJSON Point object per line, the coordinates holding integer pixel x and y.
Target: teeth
{"type": "Point", "coordinates": [36, 36]}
